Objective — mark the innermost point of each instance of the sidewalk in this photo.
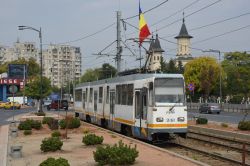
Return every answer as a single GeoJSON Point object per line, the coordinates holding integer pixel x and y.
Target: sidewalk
{"type": "Point", "coordinates": [4, 132]}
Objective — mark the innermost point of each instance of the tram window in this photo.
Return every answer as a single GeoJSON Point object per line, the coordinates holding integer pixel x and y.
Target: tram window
{"type": "Point", "coordinates": [78, 95]}
{"type": "Point", "coordinates": [124, 95]}
{"type": "Point", "coordinates": [151, 94]}
{"type": "Point", "coordinates": [86, 94]}
{"type": "Point", "coordinates": [107, 95]}
{"type": "Point", "coordinates": [118, 94]}
{"type": "Point", "coordinates": [130, 94]}
{"type": "Point", "coordinates": [83, 99]}
{"type": "Point", "coordinates": [91, 95]}
{"type": "Point", "coordinates": [100, 94]}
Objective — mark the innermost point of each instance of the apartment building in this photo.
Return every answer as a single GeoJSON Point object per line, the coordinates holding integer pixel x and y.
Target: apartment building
{"type": "Point", "coordinates": [62, 64]}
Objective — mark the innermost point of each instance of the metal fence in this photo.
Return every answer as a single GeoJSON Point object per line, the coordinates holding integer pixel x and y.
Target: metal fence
{"type": "Point", "coordinates": [242, 108]}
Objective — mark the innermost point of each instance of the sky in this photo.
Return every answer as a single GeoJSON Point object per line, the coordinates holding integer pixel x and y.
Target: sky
{"type": "Point", "coordinates": [69, 22]}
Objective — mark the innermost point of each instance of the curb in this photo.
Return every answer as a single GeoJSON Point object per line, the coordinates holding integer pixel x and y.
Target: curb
{"type": "Point", "coordinates": [4, 135]}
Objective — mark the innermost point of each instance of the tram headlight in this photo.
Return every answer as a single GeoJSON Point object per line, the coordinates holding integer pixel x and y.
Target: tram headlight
{"type": "Point", "coordinates": [180, 119]}
{"type": "Point", "coordinates": [159, 119]}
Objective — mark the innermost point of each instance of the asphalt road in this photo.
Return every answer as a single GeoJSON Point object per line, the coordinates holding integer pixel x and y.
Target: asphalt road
{"type": "Point", "coordinates": [6, 114]}
{"type": "Point", "coordinates": [223, 117]}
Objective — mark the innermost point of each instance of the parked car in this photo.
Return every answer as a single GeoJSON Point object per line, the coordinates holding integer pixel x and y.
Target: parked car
{"type": "Point", "coordinates": [46, 103]}
{"type": "Point", "coordinates": [210, 108]}
{"type": "Point", "coordinates": [2, 104]}
{"type": "Point", "coordinates": [10, 105]}
{"type": "Point", "coordinates": [58, 104]}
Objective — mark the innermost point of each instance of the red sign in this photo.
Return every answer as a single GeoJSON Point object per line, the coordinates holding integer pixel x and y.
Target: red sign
{"type": "Point", "coordinates": [10, 81]}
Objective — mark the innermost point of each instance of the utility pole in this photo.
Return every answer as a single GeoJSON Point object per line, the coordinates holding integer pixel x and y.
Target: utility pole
{"type": "Point", "coordinates": [119, 48]}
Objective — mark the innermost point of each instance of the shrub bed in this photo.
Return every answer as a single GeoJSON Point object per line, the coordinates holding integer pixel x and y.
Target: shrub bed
{"type": "Point", "coordinates": [55, 162]}
{"type": "Point", "coordinates": [92, 139]}
{"type": "Point", "coordinates": [72, 123]}
{"type": "Point", "coordinates": [29, 124]}
{"type": "Point", "coordinates": [47, 120]}
{"type": "Point", "coordinates": [51, 144]}
{"type": "Point", "coordinates": [56, 134]}
{"type": "Point", "coordinates": [201, 121]}
{"type": "Point", "coordinates": [27, 132]}
{"type": "Point", "coordinates": [120, 154]}
{"type": "Point", "coordinates": [244, 125]}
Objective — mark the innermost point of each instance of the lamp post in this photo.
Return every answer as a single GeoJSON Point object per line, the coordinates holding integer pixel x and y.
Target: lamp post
{"type": "Point", "coordinates": [41, 60]}
{"type": "Point", "coordinates": [217, 51]}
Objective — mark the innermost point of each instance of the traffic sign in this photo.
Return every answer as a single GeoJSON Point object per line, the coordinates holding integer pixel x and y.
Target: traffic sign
{"type": "Point", "coordinates": [191, 87]}
{"type": "Point", "coordinates": [13, 89]}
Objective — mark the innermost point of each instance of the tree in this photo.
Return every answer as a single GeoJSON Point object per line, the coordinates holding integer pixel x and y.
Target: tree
{"type": "Point", "coordinates": [33, 67]}
{"type": "Point", "coordinates": [180, 67]}
{"type": "Point", "coordinates": [163, 65]}
{"type": "Point", "coordinates": [171, 68]}
{"type": "Point", "coordinates": [106, 71]}
{"type": "Point", "coordinates": [237, 66]}
{"type": "Point", "coordinates": [203, 72]}
{"type": "Point", "coordinates": [90, 75]}
{"type": "Point", "coordinates": [32, 89]}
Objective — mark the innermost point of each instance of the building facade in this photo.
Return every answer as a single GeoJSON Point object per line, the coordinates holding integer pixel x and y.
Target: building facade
{"type": "Point", "coordinates": [25, 50]}
{"type": "Point", "coordinates": [155, 55]}
{"type": "Point", "coordinates": [183, 45]}
{"type": "Point", "coordinates": [62, 64]}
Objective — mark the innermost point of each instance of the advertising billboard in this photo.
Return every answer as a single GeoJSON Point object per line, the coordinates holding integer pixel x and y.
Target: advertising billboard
{"type": "Point", "coordinates": [17, 70]}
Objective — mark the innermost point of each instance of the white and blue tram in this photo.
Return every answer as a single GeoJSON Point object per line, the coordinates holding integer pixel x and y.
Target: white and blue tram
{"type": "Point", "coordinates": [146, 106]}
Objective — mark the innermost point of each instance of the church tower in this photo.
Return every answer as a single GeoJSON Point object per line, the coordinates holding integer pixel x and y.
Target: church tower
{"type": "Point", "coordinates": [155, 54]}
{"type": "Point", "coordinates": [183, 44]}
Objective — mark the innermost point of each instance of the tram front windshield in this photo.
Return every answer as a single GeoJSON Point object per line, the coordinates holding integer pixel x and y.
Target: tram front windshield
{"type": "Point", "coordinates": [169, 90]}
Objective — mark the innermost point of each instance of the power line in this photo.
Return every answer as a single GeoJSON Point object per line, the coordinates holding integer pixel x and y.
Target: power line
{"type": "Point", "coordinates": [147, 10]}
{"type": "Point", "coordinates": [214, 23]}
{"type": "Point", "coordinates": [189, 5]}
{"type": "Point", "coordinates": [205, 7]}
{"type": "Point", "coordinates": [87, 36]}
{"type": "Point", "coordinates": [235, 30]}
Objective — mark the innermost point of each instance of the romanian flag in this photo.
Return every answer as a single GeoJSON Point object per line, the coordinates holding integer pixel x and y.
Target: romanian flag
{"type": "Point", "coordinates": [143, 27]}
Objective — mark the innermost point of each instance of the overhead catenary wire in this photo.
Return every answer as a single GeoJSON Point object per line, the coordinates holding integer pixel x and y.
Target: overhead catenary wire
{"type": "Point", "coordinates": [181, 10]}
{"type": "Point", "coordinates": [147, 10]}
{"type": "Point", "coordinates": [86, 36]}
{"type": "Point", "coordinates": [188, 15]}
{"type": "Point", "coordinates": [235, 30]}
{"type": "Point", "coordinates": [214, 23]}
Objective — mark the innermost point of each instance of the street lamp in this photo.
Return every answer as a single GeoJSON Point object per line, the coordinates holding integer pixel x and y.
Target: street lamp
{"type": "Point", "coordinates": [217, 51]}
{"type": "Point", "coordinates": [41, 60]}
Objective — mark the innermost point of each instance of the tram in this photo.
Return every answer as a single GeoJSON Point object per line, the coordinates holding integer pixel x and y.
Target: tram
{"type": "Point", "coordinates": [146, 106]}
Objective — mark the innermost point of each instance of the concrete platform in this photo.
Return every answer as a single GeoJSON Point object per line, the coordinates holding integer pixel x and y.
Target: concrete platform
{"type": "Point", "coordinates": [4, 133]}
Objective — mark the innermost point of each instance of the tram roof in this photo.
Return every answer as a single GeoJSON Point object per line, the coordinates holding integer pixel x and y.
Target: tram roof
{"type": "Point", "coordinates": [130, 78]}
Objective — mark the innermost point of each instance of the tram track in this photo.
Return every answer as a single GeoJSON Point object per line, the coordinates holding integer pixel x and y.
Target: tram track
{"type": "Point", "coordinates": [211, 149]}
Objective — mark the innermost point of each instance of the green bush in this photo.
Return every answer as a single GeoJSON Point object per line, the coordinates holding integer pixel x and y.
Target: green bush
{"type": "Point", "coordinates": [92, 139]}
{"type": "Point", "coordinates": [36, 124]}
{"type": "Point", "coordinates": [51, 144]}
{"type": "Point", "coordinates": [25, 125]}
{"type": "Point", "coordinates": [55, 162]}
{"type": "Point", "coordinates": [47, 120]}
{"type": "Point", "coordinates": [120, 154]}
{"type": "Point", "coordinates": [40, 113]}
{"type": "Point", "coordinates": [201, 121]}
{"type": "Point", "coordinates": [72, 123]}
{"type": "Point", "coordinates": [224, 125]}
{"type": "Point", "coordinates": [56, 134]}
{"type": "Point", "coordinates": [29, 124]}
{"type": "Point", "coordinates": [27, 132]}
{"type": "Point", "coordinates": [62, 124]}
{"type": "Point", "coordinates": [244, 125]}
{"type": "Point", "coordinates": [53, 124]}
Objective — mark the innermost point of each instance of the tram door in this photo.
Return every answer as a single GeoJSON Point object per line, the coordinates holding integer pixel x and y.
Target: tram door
{"type": "Point", "coordinates": [141, 102]}
{"type": "Point", "coordinates": [112, 109]}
